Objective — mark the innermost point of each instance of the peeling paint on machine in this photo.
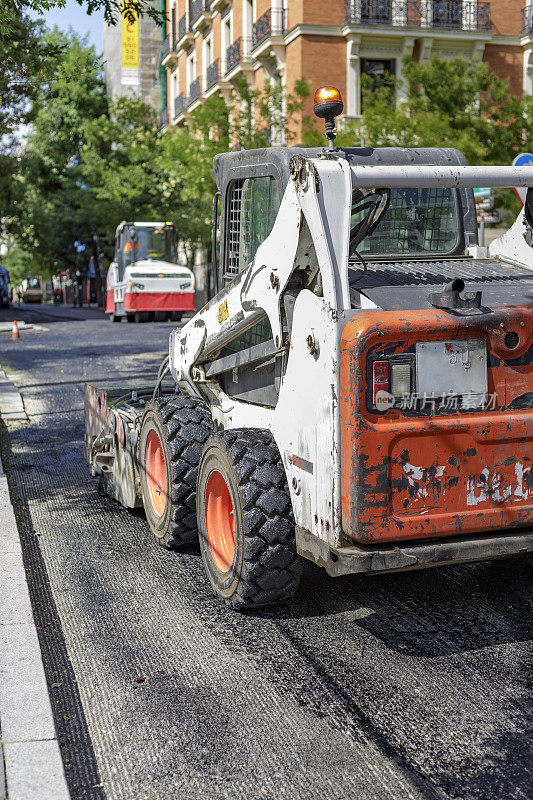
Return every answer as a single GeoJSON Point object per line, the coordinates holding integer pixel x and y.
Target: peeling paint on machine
{"type": "Point", "coordinates": [427, 472]}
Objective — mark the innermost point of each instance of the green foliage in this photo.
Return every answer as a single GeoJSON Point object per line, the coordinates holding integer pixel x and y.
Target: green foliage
{"type": "Point", "coordinates": [184, 164]}
{"type": "Point", "coordinates": [25, 62]}
{"type": "Point", "coordinates": [452, 103]}
{"type": "Point", "coordinates": [112, 9]}
{"type": "Point", "coordinates": [51, 206]}
{"type": "Point", "coordinates": [22, 263]}
{"type": "Point", "coordinates": [89, 163]}
{"type": "Point", "coordinates": [117, 160]}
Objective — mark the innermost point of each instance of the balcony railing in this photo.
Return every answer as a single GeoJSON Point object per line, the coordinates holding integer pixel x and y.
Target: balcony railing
{"type": "Point", "coordinates": [527, 20]}
{"type": "Point", "coordinates": [237, 52]}
{"type": "Point", "coordinates": [183, 27]}
{"type": "Point", "coordinates": [212, 74]}
{"type": "Point", "coordinates": [195, 89]}
{"type": "Point", "coordinates": [180, 104]}
{"type": "Point", "coordinates": [272, 23]}
{"type": "Point", "coordinates": [233, 54]}
{"type": "Point", "coordinates": [165, 47]}
{"type": "Point", "coordinates": [199, 7]}
{"type": "Point", "coordinates": [163, 118]}
{"type": "Point", "coordinates": [467, 15]}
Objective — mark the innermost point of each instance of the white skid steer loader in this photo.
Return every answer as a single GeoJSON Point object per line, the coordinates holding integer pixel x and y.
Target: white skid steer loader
{"type": "Point", "coordinates": [360, 390]}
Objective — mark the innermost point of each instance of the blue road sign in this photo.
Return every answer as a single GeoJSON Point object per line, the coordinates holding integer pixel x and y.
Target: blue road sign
{"type": "Point", "coordinates": [523, 160]}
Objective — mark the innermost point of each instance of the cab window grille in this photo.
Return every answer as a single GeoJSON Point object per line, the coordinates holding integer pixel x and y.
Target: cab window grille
{"type": "Point", "coordinates": [253, 208]}
{"type": "Point", "coordinates": [234, 227]}
{"type": "Point", "coordinates": [418, 221]}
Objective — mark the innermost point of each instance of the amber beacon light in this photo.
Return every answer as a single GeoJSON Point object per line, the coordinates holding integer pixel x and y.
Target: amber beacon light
{"type": "Point", "coordinates": [328, 105]}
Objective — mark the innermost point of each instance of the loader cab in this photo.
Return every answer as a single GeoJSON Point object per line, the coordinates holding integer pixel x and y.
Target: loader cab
{"type": "Point", "coordinates": [147, 241]}
{"type": "Point", "coordinates": [251, 184]}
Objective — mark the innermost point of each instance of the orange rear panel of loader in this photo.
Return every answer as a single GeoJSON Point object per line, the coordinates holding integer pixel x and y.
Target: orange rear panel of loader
{"type": "Point", "coordinates": [407, 474]}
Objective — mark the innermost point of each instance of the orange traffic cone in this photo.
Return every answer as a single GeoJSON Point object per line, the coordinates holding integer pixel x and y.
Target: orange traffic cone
{"type": "Point", "coordinates": [15, 332]}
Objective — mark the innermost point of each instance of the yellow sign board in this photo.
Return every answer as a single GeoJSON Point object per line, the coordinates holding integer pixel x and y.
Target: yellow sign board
{"type": "Point", "coordinates": [130, 52]}
{"type": "Point", "coordinates": [223, 312]}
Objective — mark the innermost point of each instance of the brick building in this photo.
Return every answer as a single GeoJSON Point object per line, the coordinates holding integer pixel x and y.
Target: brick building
{"type": "Point", "coordinates": [210, 42]}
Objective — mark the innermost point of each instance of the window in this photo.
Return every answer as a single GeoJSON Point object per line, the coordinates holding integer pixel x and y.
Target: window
{"type": "Point", "coordinates": [447, 14]}
{"type": "Point", "coordinates": [208, 54]}
{"type": "Point", "coordinates": [226, 36]}
{"type": "Point", "coordinates": [380, 71]}
{"type": "Point", "coordinates": [417, 222]}
{"type": "Point", "coordinates": [253, 207]}
{"type": "Point", "coordinates": [175, 87]}
{"type": "Point", "coordinates": [248, 18]}
{"type": "Point", "coordinates": [376, 12]}
{"type": "Point", "coordinates": [191, 69]}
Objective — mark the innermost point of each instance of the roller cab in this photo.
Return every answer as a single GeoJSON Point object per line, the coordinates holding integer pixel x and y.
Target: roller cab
{"type": "Point", "coordinates": [145, 279]}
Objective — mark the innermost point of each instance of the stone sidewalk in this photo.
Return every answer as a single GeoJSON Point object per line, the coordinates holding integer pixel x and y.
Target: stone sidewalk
{"type": "Point", "coordinates": [31, 767]}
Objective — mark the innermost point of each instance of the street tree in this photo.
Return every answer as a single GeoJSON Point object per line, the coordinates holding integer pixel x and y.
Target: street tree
{"type": "Point", "coordinates": [52, 206]}
{"type": "Point", "coordinates": [452, 103]}
{"type": "Point", "coordinates": [118, 160]}
{"type": "Point", "coordinates": [112, 9]}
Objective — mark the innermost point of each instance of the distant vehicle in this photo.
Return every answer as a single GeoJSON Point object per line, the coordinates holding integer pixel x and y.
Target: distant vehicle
{"type": "Point", "coordinates": [32, 289]}
{"type": "Point", "coordinates": [143, 279]}
{"type": "Point", "coordinates": [4, 287]}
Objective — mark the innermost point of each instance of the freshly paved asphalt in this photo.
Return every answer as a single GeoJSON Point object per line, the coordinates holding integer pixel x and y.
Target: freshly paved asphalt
{"type": "Point", "coordinates": [401, 686]}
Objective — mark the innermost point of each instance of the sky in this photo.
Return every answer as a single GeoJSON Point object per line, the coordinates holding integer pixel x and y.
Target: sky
{"type": "Point", "coordinates": [76, 17]}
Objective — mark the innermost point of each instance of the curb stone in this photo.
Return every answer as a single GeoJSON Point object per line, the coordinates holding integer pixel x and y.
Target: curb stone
{"type": "Point", "coordinates": [11, 406]}
{"type": "Point", "coordinates": [30, 752]}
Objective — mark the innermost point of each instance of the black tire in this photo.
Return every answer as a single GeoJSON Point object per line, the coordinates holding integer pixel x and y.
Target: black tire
{"type": "Point", "coordinates": [176, 316]}
{"type": "Point", "coordinates": [113, 317]}
{"type": "Point", "coordinates": [265, 568]}
{"type": "Point", "coordinates": [183, 425]}
{"type": "Point", "coordinates": [130, 317]}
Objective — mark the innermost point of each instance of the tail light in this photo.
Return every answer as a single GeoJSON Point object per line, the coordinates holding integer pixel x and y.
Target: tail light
{"type": "Point", "coordinates": [380, 378]}
{"type": "Point", "coordinates": [400, 383]}
{"type": "Point", "coordinates": [430, 376]}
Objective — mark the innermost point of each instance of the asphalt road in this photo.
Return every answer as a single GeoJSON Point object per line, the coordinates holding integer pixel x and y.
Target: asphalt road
{"type": "Point", "coordinates": [401, 686]}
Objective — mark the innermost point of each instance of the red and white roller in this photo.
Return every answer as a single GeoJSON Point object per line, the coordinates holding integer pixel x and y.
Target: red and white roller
{"type": "Point", "coordinates": [144, 277]}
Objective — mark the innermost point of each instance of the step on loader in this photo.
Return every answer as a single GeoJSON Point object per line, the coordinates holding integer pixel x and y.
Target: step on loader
{"type": "Point", "coordinates": [358, 393]}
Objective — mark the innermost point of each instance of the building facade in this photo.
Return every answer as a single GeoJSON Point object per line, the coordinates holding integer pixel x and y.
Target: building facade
{"type": "Point", "coordinates": [211, 42]}
{"type": "Point", "coordinates": [132, 59]}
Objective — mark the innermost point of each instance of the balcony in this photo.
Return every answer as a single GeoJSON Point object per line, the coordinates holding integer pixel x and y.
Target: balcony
{"type": "Point", "coordinates": [195, 90]}
{"type": "Point", "coordinates": [212, 74]}
{"type": "Point", "coordinates": [233, 54]}
{"type": "Point", "coordinates": [238, 53]}
{"type": "Point", "coordinates": [168, 51]}
{"type": "Point", "coordinates": [163, 118]}
{"type": "Point", "coordinates": [465, 15]}
{"type": "Point", "coordinates": [200, 15]}
{"type": "Point", "coordinates": [527, 20]}
{"type": "Point", "coordinates": [185, 35]}
{"type": "Point", "coordinates": [272, 23]}
{"type": "Point", "coordinates": [180, 104]}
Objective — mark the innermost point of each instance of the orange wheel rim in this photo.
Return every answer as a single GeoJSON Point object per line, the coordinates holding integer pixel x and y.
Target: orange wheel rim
{"type": "Point", "coordinates": [156, 473]}
{"type": "Point", "coordinates": [220, 521]}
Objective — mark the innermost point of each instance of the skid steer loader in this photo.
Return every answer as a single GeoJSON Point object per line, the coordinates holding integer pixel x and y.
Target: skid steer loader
{"type": "Point", "coordinates": [358, 393]}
